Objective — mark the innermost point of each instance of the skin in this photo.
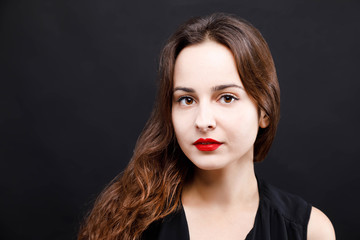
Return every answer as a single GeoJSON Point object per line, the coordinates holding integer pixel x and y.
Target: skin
{"type": "Point", "coordinates": [210, 101]}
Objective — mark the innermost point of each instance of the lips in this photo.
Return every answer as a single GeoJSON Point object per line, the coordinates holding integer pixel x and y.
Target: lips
{"type": "Point", "coordinates": [207, 144]}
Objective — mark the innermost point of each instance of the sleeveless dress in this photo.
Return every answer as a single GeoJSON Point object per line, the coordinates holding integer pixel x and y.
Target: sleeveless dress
{"type": "Point", "coordinates": [280, 216]}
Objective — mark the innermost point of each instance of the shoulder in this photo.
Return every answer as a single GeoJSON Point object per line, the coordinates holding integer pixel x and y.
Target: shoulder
{"type": "Point", "coordinates": [316, 224]}
{"type": "Point", "coordinates": [290, 206]}
{"type": "Point", "coordinates": [320, 227]}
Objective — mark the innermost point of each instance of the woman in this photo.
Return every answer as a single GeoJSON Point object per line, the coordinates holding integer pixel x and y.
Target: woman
{"type": "Point", "coordinates": [192, 173]}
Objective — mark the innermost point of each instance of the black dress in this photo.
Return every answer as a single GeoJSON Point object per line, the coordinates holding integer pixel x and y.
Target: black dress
{"type": "Point", "coordinates": [280, 216]}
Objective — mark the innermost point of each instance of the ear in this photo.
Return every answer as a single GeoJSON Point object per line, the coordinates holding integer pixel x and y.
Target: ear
{"type": "Point", "coordinates": [264, 120]}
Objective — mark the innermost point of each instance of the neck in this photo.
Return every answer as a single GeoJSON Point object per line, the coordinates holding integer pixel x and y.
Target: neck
{"type": "Point", "coordinates": [230, 186]}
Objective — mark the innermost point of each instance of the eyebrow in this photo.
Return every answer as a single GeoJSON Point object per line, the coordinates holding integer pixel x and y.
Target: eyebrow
{"type": "Point", "coordinates": [221, 87]}
{"type": "Point", "coordinates": [191, 90]}
{"type": "Point", "coordinates": [214, 89]}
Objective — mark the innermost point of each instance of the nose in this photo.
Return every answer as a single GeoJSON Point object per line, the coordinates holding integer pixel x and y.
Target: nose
{"type": "Point", "coordinates": [205, 119]}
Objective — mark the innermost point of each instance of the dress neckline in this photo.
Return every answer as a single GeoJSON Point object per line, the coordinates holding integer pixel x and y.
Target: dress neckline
{"type": "Point", "coordinates": [257, 215]}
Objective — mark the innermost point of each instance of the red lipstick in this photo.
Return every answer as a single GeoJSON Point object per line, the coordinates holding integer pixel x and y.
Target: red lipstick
{"type": "Point", "coordinates": [207, 144]}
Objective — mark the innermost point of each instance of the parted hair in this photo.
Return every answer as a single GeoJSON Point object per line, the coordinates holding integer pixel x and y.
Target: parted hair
{"type": "Point", "coordinates": [150, 187]}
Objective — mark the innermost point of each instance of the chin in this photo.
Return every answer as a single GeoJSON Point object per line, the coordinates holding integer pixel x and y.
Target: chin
{"type": "Point", "coordinates": [208, 164]}
{"type": "Point", "coordinates": [208, 167]}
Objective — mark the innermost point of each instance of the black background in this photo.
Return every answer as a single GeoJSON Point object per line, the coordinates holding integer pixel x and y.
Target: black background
{"type": "Point", "coordinates": [78, 81]}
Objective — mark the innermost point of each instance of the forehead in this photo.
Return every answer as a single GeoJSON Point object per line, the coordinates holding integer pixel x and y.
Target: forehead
{"type": "Point", "coordinates": [208, 63]}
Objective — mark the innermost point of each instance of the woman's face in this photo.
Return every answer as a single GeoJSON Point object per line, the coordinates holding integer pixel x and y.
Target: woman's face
{"type": "Point", "coordinates": [214, 119]}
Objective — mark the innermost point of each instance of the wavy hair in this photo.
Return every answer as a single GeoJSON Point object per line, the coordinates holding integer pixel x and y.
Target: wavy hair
{"type": "Point", "coordinates": [150, 186]}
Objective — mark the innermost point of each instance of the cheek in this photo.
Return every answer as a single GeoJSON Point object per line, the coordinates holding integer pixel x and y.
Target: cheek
{"type": "Point", "coordinates": [241, 126]}
{"type": "Point", "coordinates": [180, 122]}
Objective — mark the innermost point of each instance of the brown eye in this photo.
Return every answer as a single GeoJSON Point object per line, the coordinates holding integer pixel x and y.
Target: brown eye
{"type": "Point", "coordinates": [189, 101]}
{"type": "Point", "coordinates": [227, 99]}
{"type": "Point", "coordinates": [186, 101]}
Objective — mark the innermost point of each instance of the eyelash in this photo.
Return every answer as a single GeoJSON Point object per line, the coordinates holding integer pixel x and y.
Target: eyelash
{"type": "Point", "coordinates": [184, 98]}
{"type": "Point", "coordinates": [233, 98]}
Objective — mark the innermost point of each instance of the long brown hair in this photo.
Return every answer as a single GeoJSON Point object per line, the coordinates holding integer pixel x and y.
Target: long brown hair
{"type": "Point", "coordinates": [150, 187]}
